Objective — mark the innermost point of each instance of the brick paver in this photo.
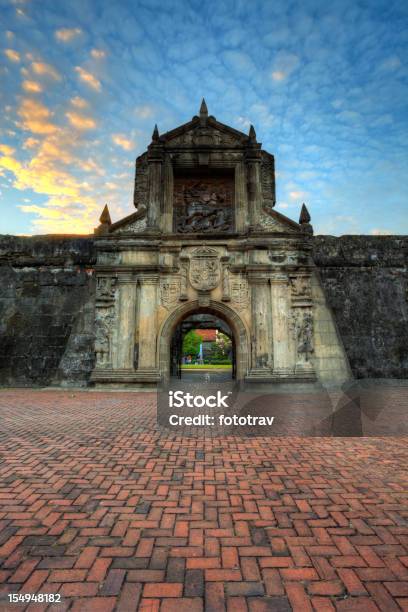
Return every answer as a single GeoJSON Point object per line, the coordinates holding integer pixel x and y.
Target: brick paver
{"type": "Point", "coordinates": [99, 505]}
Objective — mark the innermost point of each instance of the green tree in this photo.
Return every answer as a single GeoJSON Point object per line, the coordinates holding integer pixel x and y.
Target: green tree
{"type": "Point", "coordinates": [224, 344]}
{"type": "Point", "coordinates": [221, 349]}
{"type": "Point", "coordinates": [191, 344]}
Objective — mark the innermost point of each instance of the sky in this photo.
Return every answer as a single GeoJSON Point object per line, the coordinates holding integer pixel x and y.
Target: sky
{"type": "Point", "coordinates": [83, 82]}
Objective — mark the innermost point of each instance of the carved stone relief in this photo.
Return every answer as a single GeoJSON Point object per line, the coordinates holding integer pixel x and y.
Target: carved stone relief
{"type": "Point", "coordinates": [300, 286]}
{"type": "Point", "coordinates": [302, 330]}
{"type": "Point", "coordinates": [203, 205]}
{"type": "Point", "coordinates": [136, 226]}
{"type": "Point", "coordinates": [103, 325]}
{"type": "Point", "coordinates": [169, 291]}
{"type": "Point", "coordinates": [269, 223]}
{"type": "Point", "coordinates": [205, 135]}
{"type": "Point", "coordinates": [205, 271]}
{"type": "Point", "coordinates": [278, 257]}
{"type": "Point", "coordinates": [105, 288]}
{"type": "Point", "coordinates": [104, 318]}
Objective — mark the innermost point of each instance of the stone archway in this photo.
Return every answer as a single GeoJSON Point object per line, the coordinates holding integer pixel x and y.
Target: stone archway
{"type": "Point", "coordinates": [241, 336]}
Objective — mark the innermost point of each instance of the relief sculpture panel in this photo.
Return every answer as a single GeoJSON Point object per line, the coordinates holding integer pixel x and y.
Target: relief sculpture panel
{"type": "Point", "coordinates": [203, 204]}
{"type": "Point", "coordinates": [104, 319]}
{"type": "Point", "coordinates": [302, 330]}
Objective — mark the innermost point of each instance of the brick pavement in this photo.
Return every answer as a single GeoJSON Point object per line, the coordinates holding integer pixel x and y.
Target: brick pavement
{"type": "Point", "coordinates": [98, 505]}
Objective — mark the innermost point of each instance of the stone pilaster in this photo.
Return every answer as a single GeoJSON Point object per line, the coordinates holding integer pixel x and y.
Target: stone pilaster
{"type": "Point", "coordinates": [226, 293]}
{"type": "Point", "coordinates": [253, 163]}
{"type": "Point", "coordinates": [184, 262]}
{"type": "Point", "coordinates": [241, 199]}
{"type": "Point", "coordinates": [148, 285]}
{"type": "Point", "coordinates": [125, 340]}
{"type": "Point", "coordinates": [155, 161]}
{"type": "Point", "coordinates": [260, 325]}
{"type": "Point", "coordinates": [283, 353]}
{"type": "Point", "coordinates": [168, 188]}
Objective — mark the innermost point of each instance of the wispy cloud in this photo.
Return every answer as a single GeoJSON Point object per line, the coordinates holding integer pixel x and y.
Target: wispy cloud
{"type": "Point", "coordinates": [121, 141]}
{"type": "Point", "coordinates": [79, 102]}
{"type": "Point", "coordinates": [32, 87]}
{"type": "Point", "coordinates": [43, 69]}
{"type": "Point", "coordinates": [67, 34]}
{"type": "Point", "coordinates": [98, 53]}
{"type": "Point", "coordinates": [36, 117]}
{"type": "Point", "coordinates": [284, 64]}
{"type": "Point", "coordinates": [6, 149]}
{"type": "Point", "coordinates": [81, 122]}
{"type": "Point", "coordinates": [12, 55]}
{"type": "Point", "coordinates": [144, 112]}
{"type": "Point", "coordinates": [88, 78]}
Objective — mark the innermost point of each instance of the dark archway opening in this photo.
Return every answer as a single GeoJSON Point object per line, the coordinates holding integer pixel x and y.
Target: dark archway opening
{"type": "Point", "coordinates": [203, 348]}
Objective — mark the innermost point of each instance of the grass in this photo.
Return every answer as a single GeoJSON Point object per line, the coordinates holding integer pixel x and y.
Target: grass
{"type": "Point", "coordinates": [208, 366]}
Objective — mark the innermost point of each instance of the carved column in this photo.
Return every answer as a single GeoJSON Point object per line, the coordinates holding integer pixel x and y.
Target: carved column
{"type": "Point", "coordinates": [253, 161]}
{"type": "Point", "coordinates": [126, 321]}
{"type": "Point", "coordinates": [147, 321]}
{"type": "Point", "coordinates": [168, 188]}
{"type": "Point", "coordinates": [241, 200]}
{"type": "Point", "coordinates": [184, 261]}
{"type": "Point", "coordinates": [283, 356]}
{"type": "Point", "coordinates": [260, 325]}
{"type": "Point", "coordinates": [155, 157]}
{"type": "Point", "coordinates": [226, 294]}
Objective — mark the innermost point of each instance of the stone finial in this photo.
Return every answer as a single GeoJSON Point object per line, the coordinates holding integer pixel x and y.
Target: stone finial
{"type": "Point", "coordinates": [304, 221]}
{"type": "Point", "coordinates": [105, 218]}
{"type": "Point", "coordinates": [304, 215]}
{"type": "Point", "coordinates": [252, 134]}
{"type": "Point", "coordinates": [203, 110]}
{"type": "Point", "coordinates": [105, 222]}
{"type": "Point", "coordinates": [155, 135]}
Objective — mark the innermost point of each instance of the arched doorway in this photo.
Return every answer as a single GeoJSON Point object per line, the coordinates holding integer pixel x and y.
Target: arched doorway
{"type": "Point", "coordinates": [203, 348]}
{"type": "Point", "coordinates": [190, 314]}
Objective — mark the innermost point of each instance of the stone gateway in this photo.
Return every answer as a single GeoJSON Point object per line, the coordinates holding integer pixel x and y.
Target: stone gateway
{"type": "Point", "coordinates": [206, 240]}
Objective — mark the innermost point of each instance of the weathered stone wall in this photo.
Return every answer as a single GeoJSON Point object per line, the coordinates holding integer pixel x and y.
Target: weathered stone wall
{"type": "Point", "coordinates": [47, 305]}
{"type": "Point", "coordinates": [365, 280]}
{"type": "Point", "coordinates": [46, 310]}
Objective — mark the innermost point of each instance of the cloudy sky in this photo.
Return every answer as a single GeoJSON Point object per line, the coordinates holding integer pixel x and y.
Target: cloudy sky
{"type": "Point", "coordinates": [83, 82]}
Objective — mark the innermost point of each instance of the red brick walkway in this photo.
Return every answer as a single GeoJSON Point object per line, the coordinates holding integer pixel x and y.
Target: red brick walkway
{"type": "Point", "coordinates": [99, 506]}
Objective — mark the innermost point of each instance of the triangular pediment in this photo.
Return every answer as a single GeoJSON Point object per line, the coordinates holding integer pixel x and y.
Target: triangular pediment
{"type": "Point", "coordinates": [209, 133]}
{"type": "Point", "coordinates": [134, 223]}
{"type": "Point", "coordinates": [272, 221]}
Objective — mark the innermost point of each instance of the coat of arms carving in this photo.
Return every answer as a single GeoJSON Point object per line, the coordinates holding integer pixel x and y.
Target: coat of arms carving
{"type": "Point", "coordinates": [169, 291]}
{"type": "Point", "coordinates": [205, 271]}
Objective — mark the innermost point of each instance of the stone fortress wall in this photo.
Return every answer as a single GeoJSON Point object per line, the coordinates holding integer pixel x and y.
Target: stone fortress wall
{"type": "Point", "coordinates": [46, 310]}
{"type": "Point", "coordinates": [47, 301]}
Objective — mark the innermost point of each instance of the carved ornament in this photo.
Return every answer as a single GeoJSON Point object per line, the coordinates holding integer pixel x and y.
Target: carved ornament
{"type": "Point", "coordinates": [169, 291]}
{"type": "Point", "coordinates": [205, 271]}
